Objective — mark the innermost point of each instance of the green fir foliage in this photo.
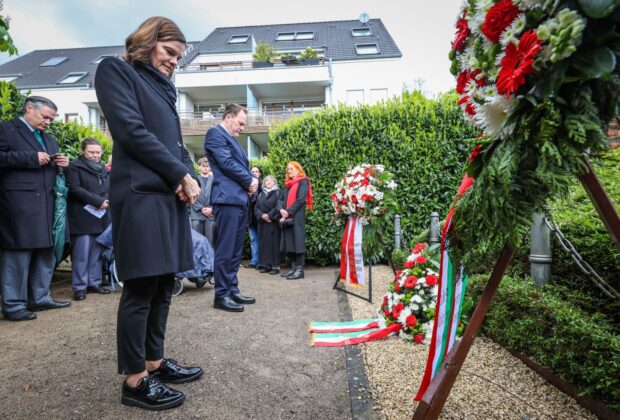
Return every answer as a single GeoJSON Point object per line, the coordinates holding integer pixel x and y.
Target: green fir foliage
{"type": "Point", "coordinates": [419, 140]}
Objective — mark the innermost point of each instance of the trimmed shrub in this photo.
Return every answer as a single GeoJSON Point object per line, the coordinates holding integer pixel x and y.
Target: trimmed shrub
{"type": "Point", "coordinates": [578, 346]}
{"type": "Point", "coordinates": [419, 140]}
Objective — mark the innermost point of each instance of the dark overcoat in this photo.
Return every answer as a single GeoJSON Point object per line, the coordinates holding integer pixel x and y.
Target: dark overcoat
{"type": "Point", "coordinates": [294, 237]}
{"type": "Point", "coordinates": [204, 200]}
{"type": "Point", "coordinates": [150, 227]}
{"type": "Point", "coordinates": [26, 188]}
{"type": "Point", "coordinates": [268, 233]}
{"type": "Point", "coordinates": [86, 186]}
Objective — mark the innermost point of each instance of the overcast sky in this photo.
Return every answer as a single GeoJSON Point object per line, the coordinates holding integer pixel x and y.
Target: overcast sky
{"type": "Point", "coordinates": [422, 29]}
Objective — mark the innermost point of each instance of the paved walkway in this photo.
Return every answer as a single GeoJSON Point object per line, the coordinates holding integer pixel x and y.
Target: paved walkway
{"type": "Point", "coordinates": [258, 364]}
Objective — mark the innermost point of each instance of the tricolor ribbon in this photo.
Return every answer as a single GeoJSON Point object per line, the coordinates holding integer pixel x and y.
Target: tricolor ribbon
{"type": "Point", "coordinates": [337, 334]}
{"type": "Point", "coordinates": [351, 256]}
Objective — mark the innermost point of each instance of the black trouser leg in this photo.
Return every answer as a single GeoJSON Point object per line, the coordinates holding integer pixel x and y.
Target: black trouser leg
{"type": "Point", "coordinates": [300, 260]}
{"type": "Point", "coordinates": [141, 324]}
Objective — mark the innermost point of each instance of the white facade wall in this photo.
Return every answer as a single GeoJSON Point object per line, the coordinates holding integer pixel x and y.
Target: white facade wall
{"type": "Point", "coordinates": [366, 81]}
{"type": "Point", "coordinates": [221, 58]}
{"type": "Point", "coordinates": [81, 101]}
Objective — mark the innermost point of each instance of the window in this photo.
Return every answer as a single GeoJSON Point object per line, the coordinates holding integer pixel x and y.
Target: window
{"type": "Point", "coordinates": [102, 57]}
{"type": "Point", "coordinates": [304, 35]}
{"type": "Point", "coordinates": [69, 117]}
{"type": "Point", "coordinates": [361, 32]}
{"type": "Point", "coordinates": [355, 97]}
{"type": "Point", "coordinates": [9, 79]}
{"type": "Point", "coordinates": [378, 95]}
{"type": "Point", "coordinates": [54, 61]}
{"type": "Point", "coordinates": [285, 36]}
{"type": "Point", "coordinates": [71, 78]}
{"type": "Point", "coordinates": [366, 49]}
{"type": "Point", "coordinates": [238, 39]}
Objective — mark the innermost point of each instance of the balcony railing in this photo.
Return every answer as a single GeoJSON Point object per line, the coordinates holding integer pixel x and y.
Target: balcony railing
{"type": "Point", "coordinates": [259, 120]}
{"type": "Point", "coordinates": [248, 65]}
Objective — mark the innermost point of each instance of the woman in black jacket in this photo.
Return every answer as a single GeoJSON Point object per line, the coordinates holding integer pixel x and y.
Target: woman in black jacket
{"type": "Point", "coordinates": [267, 214]}
{"type": "Point", "coordinates": [87, 208]}
{"type": "Point", "coordinates": [297, 197]}
{"type": "Point", "coordinates": [150, 187]}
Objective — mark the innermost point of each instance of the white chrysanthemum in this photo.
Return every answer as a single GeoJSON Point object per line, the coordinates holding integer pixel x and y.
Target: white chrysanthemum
{"type": "Point", "coordinates": [363, 220]}
{"type": "Point", "coordinates": [468, 56]}
{"type": "Point", "coordinates": [529, 4]}
{"type": "Point", "coordinates": [402, 319]}
{"type": "Point", "coordinates": [405, 336]}
{"type": "Point", "coordinates": [375, 211]}
{"type": "Point", "coordinates": [416, 299]}
{"type": "Point", "coordinates": [476, 21]}
{"type": "Point", "coordinates": [511, 33]}
{"type": "Point", "coordinates": [380, 168]}
{"type": "Point", "coordinates": [338, 222]}
{"type": "Point", "coordinates": [379, 195]}
{"type": "Point", "coordinates": [415, 307]}
{"type": "Point", "coordinates": [361, 204]}
{"type": "Point", "coordinates": [421, 292]}
{"type": "Point", "coordinates": [493, 114]}
{"type": "Point", "coordinates": [390, 185]}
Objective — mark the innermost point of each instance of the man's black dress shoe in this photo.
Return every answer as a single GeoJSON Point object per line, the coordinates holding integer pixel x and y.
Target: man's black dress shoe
{"type": "Point", "coordinates": [297, 274]}
{"type": "Point", "coordinates": [172, 373]}
{"type": "Point", "coordinates": [288, 273]}
{"type": "Point", "coordinates": [263, 270]}
{"type": "Point", "coordinates": [79, 295]}
{"type": "Point", "coordinates": [274, 271]}
{"type": "Point", "coordinates": [21, 315]}
{"type": "Point", "coordinates": [151, 394]}
{"type": "Point", "coordinates": [248, 265]}
{"type": "Point", "coordinates": [226, 303]}
{"type": "Point", "coordinates": [54, 304]}
{"type": "Point", "coordinates": [244, 300]}
{"type": "Point", "coordinates": [97, 289]}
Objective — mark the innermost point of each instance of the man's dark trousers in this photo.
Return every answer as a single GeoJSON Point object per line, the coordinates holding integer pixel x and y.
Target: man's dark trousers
{"type": "Point", "coordinates": [232, 222]}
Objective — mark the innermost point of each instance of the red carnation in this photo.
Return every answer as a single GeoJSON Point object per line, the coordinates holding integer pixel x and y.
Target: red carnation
{"type": "Point", "coordinates": [354, 199]}
{"type": "Point", "coordinates": [338, 209]}
{"type": "Point", "coordinates": [386, 312]}
{"type": "Point", "coordinates": [469, 107]}
{"type": "Point", "coordinates": [474, 153]}
{"type": "Point", "coordinates": [410, 282]}
{"type": "Point", "coordinates": [398, 309]}
{"type": "Point", "coordinates": [367, 172]}
{"type": "Point", "coordinates": [352, 184]}
{"type": "Point", "coordinates": [398, 274]}
{"type": "Point", "coordinates": [418, 338]}
{"type": "Point", "coordinates": [409, 264]}
{"type": "Point", "coordinates": [462, 32]}
{"type": "Point", "coordinates": [364, 182]}
{"type": "Point", "coordinates": [420, 260]}
{"type": "Point", "coordinates": [517, 63]}
{"type": "Point", "coordinates": [419, 247]}
{"type": "Point", "coordinates": [411, 321]}
{"type": "Point", "coordinates": [465, 77]}
{"type": "Point", "coordinates": [498, 18]}
{"type": "Point", "coordinates": [431, 280]}
{"type": "Point", "coordinates": [385, 300]}
{"type": "Point", "coordinates": [397, 287]}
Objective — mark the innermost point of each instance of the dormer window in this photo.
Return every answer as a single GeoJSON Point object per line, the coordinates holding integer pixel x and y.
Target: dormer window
{"type": "Point", "coordinates": [54, 61]}
{"type": "Point", "coordinates": [9, 79]}
{"type": "Point", "coordinates": [102, 57]}
{"type": "Point", "coordinates": [366, 49]}
{"type": "Point", "coordinates": [304, 35]}
{"type": "Point", "coordinates": [71, 78]}
{"type": "Point", "coordinates": [361, 32]}
{"type": "Point", "coordinates": [285, 36]}
{"type": "Point", "coordinates": [238, 39]}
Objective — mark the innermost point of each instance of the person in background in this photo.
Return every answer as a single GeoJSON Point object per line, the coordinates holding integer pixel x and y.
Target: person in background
{"type": "Point", "coordinates": [201, 213]}
{"type": "Point", "coordinates": [232, 184]}
{"type": "Point", "coordinates": [252, 224]}
{"type": "Point", "coordinates": [150, 187]}
{"type": "Point", "coordinates": [89, 184]}
{"type": "Point", "coordinates": [29, 163]}
{"type": "Point", "coordinates": [297, 197]}
{"type": "Point", "coordinates": [267, 213]}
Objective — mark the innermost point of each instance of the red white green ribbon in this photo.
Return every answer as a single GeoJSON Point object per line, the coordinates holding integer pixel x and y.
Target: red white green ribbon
{"type": "Point", "coordinates": [337, 334]}
{"type": "Point", "coordinates": [351, 257]}
{"type": "Point", "coordinates": [450, 294]}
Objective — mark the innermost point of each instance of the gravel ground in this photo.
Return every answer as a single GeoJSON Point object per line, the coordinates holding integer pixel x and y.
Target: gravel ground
{"type": "Point", "coordinates": [491, 385]}
{"type": "Point", "coordinates": [258, 364]}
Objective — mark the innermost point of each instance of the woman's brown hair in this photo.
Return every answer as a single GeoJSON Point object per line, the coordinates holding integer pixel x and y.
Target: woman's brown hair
{"type": "Point", "coordinates": [140, 43]}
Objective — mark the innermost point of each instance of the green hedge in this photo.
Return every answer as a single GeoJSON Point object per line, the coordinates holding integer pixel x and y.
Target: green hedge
{"type": "Point", "coordinates": [580, 347]}
{"type": "Point", "coordinates": [419, 140]}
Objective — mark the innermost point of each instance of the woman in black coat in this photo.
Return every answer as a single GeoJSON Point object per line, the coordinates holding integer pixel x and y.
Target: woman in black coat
{"type": "Point", "coordinates": [87, 208]}
{"type": "Point", "coordinates": [267, 214]}
{"type": "Point", "coordinates": [297, 197]}
{"type": "Point", "coordinates": [150, 187]}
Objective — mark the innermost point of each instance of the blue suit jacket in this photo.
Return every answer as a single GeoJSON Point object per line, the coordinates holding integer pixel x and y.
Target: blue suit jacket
{"type": "Point", "coordinates": [229, 164]}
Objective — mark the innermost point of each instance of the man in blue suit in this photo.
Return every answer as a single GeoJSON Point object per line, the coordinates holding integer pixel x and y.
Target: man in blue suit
{"type": "Point", "coordinates": [232, 184]}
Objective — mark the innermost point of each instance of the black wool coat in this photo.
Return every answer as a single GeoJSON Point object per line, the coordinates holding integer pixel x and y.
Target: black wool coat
{"type": "Point", "coordinates": [26, 188]}
{"type": "Point", "coordinates": [150, 226]}
{"type": "Point", "coordinates": [268, 233]}
{"type": "Point", "coordinates": [86, 186]}
{"type": "Point", "coordinates": [294, 237]}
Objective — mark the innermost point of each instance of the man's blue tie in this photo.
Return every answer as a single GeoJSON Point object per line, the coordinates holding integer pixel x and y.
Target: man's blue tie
{"type": "Point", "coordinates": [37, 134]}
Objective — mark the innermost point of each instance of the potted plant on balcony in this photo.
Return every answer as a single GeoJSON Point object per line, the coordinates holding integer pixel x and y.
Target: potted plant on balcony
{"type": "Point", "coordinates": [263, 55]}
{"type": "Point", "coordinates": [309, 57]}
{"type": "Point", "coordinates": [288, 59]}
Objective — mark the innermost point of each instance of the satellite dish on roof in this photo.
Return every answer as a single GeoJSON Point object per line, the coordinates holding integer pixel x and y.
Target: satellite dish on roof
{"type": "Point", "coordinates": [364, 17]}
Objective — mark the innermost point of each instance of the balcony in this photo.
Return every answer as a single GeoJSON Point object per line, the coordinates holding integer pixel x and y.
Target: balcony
{"type": "Point", "coordinates": [259, 120]}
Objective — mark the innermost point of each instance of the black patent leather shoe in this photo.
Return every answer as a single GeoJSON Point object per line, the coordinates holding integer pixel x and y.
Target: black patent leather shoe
{"type": "Point", "coordinates": [21, 315]}
{"type": "Point", "coordinates": [244, 300]}
{"type": "Point", "coordinates": [79, 295]}
{"type": "Point", "coordinates": [151, 394]}
{"type": "Point", "coordinates": [288, 273]}
{"type": "Point", "coordinates": [297, 274]}
{"type": "Point", "coordinates": [54, 304]}
{"type": "Point", "coordinates": [97, 289]}
{"type": "Point", "coordinates": [171, 372]}
{"type": "Point", "coordinates": [227, 304]}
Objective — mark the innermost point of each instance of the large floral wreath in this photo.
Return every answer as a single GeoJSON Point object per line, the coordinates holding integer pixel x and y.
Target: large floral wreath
{"type": "Point", "coordinates": [412, 296]}
{"type": "Point", "coordinates": [539, 78]}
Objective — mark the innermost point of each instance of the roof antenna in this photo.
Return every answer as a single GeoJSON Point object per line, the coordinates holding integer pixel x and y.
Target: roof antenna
{"type": "Point", "coordinates": [364, 18]}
